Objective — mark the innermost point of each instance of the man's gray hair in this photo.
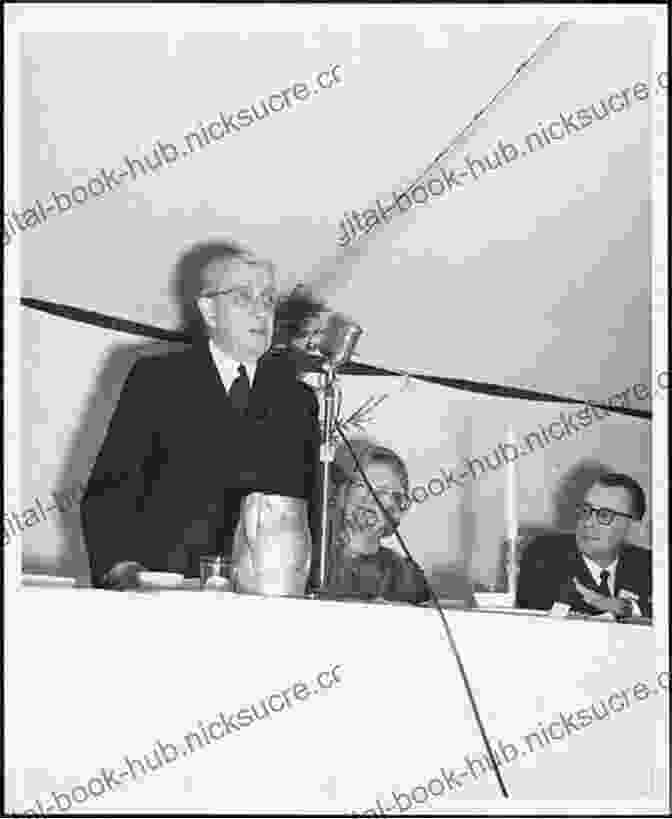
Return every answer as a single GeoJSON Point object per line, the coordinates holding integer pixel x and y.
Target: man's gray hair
{"type": "Point", "coordinates": [227, 251]}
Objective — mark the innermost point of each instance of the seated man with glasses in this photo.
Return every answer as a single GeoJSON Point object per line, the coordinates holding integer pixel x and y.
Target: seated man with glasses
{"type": "Point", "coordinates": [359, 565]}
{"type": "Point", "coordinates": [196, 430]}
{"type": "Point", "coordinates": [594, 570]}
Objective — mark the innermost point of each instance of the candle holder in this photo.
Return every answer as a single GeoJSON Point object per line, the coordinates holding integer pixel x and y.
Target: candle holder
{"type": "Point", "coordinates": [502, 592]}
{"type": "Point", "coordinates": [508, 565]}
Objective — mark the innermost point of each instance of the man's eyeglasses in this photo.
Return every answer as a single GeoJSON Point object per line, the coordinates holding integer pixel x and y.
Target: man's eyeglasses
{"type": "Point", "coordinates": [604, 516]}
{"type": "Point", "coordinates": [398, 499]}
{"type": "Point", "coordinates": [244, 297]}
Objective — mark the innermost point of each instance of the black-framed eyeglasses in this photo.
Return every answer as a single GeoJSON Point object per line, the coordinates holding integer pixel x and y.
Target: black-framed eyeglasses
{"type": "Point", "coordinates": [399, 499]}
{"type": "Point", "coordinates": [604, 516]}
{"type": "Point", "coordinates": [244, 297]}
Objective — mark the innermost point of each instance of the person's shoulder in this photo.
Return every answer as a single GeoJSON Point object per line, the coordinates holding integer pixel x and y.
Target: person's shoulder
{"type": "Point", "coordinates": [552, 544]}
{"type": "Point", "coordinates": [169, 359]}
{"type": "Point", "coordinates": [151, 371]}
{"type": "Point", "coordinates": [307, 396]}
{"type": "Point", "coordinates": [281, 370]}
{"type": "Point", "coordinates": [391, 559]}
{"type": "Point", "coordinates": [551, 552]}
{"type": "Point", "coordinates": [388, 555]}
{"type": "Point", "coordinates": [408, 582]}
{"type": "Point", "coordinates": [636, 556]}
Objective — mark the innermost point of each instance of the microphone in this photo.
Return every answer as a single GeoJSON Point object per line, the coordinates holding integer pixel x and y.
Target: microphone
{"type": "Point", "coordinates": [312, 333]}
{"type": "Point", "coordinates": [339, 338]}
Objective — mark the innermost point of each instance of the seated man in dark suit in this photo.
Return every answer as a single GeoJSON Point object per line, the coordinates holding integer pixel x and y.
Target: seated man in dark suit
{"type": "Point", "coordinates": [197, 430]}
{"type": "Point", "coordinates": [595, 570]}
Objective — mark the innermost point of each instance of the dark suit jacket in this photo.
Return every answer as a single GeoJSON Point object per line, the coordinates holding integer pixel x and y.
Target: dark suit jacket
{"type": "Point", "coordinates": [177, 460]}
{"type": "Point", "coordinates": [550, 563]}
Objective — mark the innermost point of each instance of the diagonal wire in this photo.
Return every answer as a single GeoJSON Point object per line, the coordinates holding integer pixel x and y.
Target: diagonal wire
{"type": "Point", "coordinates": [464, 133]}
{"type": "Point", "coordinates": [326, 276]}
{"type": "Point", "coordinates": [437, 606]}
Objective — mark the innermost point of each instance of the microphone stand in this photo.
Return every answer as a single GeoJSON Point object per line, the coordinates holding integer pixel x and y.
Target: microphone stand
{"type": "Point", "coordinates": [327, 451]}
{"type": "Point", "coordinates": [326, 458]}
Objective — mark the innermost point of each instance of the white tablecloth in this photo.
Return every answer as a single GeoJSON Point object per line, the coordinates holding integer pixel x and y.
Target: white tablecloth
{"type": "Point", "coordinates": [94, 677]}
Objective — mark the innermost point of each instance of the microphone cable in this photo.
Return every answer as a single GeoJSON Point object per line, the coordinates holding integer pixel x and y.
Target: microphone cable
{"type": "Point", "coordinates": [437, 606]}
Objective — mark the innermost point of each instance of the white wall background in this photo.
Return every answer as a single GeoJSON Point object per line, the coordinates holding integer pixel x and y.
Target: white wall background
{"type": "Point", "coordinates": [535, 276]}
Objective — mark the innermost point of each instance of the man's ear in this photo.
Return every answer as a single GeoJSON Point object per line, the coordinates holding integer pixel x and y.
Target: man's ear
{"type": "Point", "coordinates": [639, 530]}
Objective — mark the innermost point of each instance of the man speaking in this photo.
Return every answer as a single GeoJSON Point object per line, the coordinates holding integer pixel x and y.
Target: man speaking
{"type": "Point", "coordinates": [197, 430]}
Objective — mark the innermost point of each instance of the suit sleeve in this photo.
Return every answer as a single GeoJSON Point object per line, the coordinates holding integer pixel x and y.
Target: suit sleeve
{"type": "Point", "coordinates": [645, 606]}
{"type": "Point", "coordinates": [112, 503]}
{"type": "Point", "coordinates": [645, 601]}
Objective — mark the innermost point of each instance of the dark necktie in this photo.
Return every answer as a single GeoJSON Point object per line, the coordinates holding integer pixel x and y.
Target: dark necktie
{"type": "Point", "coordinates": [603, 588]}
{"type": "Point", "coordinates": [240, 390]}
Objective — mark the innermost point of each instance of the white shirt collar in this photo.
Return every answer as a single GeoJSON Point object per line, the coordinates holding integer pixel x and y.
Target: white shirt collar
{"type": "Point", "coordinates": [227, 367]}
{"type": "Point", "coordinates": [596, 570]}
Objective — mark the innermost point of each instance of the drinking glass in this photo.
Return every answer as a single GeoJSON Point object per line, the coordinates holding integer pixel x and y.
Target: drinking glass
{"type": "Point", "coordinates": [217, 572]}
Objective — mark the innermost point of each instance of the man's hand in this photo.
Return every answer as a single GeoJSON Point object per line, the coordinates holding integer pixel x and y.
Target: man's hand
{"type": "Point", "coordinates": [123, 576]}
{"type": "Point", "coordinates": [614, 605]}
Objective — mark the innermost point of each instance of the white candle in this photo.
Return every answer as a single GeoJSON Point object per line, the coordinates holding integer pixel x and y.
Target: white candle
{"type": "Point", "coordinates": [511, 516]}
{"type": "Point", "coordinates": [511, 491]}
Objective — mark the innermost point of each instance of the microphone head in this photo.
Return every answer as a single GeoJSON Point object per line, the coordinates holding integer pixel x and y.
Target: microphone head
{"type": "Point", "coordinates": [306, 326]}
{"type": "Point", "coordinates": [339, 339]}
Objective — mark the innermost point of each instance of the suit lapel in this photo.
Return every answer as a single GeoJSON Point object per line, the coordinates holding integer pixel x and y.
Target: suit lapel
{"type": "Point", "coordinates": [209, 392]}
{"type": "Point", "coordinates": [258, 408]}
{"type": "Point", "coordinates": [579, 570]}
{"type": "Point", "coordinates": [270, 381]}
{"type": "Point", "coordinates": [633, 574]}
{"type": "Point", "coordinates": [625, 575]}
{"type": "Point", "coordinates": [582, 572]}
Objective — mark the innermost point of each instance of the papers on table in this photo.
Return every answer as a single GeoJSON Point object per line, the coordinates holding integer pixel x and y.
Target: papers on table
{"type": "Point", "coordinates": [160, 580]}
{"type": "Point", "coordinates": [47, 580]}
